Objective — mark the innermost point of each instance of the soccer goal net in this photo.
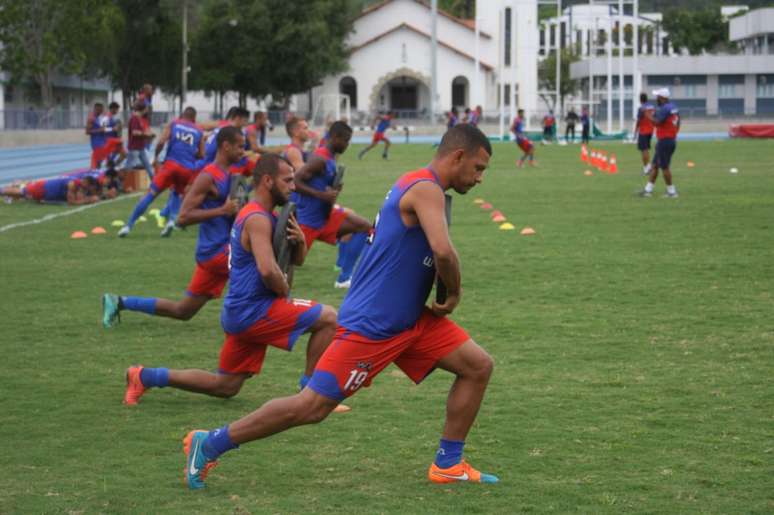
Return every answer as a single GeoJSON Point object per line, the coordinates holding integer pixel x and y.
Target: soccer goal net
{"type": "Point", "coordinates": [330, 108]}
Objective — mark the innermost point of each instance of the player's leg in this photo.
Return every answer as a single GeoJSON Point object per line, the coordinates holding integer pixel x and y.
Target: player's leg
{"type": "Point", "coordinates": [387, 144]}
{"type": "Point", "coordinates": [359, 228]}
{"type": "Point", "coordinates": [140, 208]}
{"type": "Point", "coordinates": [12, 191]}
{"type": "Point", "coordinates": [140, 379]}
{"type": "Point", "coordinates": [666, 162]}
{"type": "Point", "coordinates": [363, 152]}
{"type": "Point", "coordinates": [652, 175]}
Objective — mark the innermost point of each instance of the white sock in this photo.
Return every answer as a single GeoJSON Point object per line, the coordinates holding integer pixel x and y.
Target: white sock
{"type": "Point", "coordinates": [671, 189]}
{"type": "Point", "coordinates": [649, 187]}
{"type": "Point", "coordinates": [646, 168]}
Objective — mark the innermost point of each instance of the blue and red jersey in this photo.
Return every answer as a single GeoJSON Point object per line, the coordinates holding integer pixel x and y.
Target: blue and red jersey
{"type": "Point", "coordinates": [384, 124]}
{"type": "Point", "coordinates": [518, 129]}
{"type": "Point", "coordinates": [396, 270]}
{"type": "Point", "coordinates": [585, 120]}
{"type": "Point", "coordinates": [97, 123]}
{"type": "Point", "coordinates": [473, 120]}
{"type": "Point", "coordinates": [645, 124]}
{"type": "Point", "coordinates": [304, 155]}
{"type": "Point", "coordinates": [214, 233]}
{"type": "Point", "coordinates": [548, 121]}
{"type": "Point", "coordinates": [111, 122]}
{"type": "Point", "coordinates": [324, 140]}
{"type": "Point", "coordinates": [667, 121]}
{"type": "Point", "coordinates": [211, 148]}
{"type": "Point", "coordinates": [248, 298]}
{"type": "Point", "coordinates": [183, 144]}
{"type": "Point", "coordinates": [311, 211]}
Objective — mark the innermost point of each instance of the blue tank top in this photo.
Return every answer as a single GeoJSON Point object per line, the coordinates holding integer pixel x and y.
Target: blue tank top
{"type": "Point", "coordinates": [304, 155]}
{"type": "Point", "coordinates": [56, 189]}
{"type": "Point", "coordinates": [395, 273]}
{"type": "Point", "coordinates": [214, 233]}
{"type": "Point", "coordinates": [248, 298]}
{"type": "Point", "coordinates": [211, 149]}
{"type": "Point", "coordinates": [311, 211]}
{"type": "Point", "coordinates": [184, 140]}
{"type": "Point", "coordinates": [112, 121]}
{"type": "Point", "coordinates": [384, 123]}
{"type": "Point", "coordinates": [98, 139]}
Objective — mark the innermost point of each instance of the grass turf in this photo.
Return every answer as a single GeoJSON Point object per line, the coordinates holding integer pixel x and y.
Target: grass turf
{"type": "Point", "coordinates": [633, 341]}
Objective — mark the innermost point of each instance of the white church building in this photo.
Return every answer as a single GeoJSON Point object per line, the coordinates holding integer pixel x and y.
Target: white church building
{"type": "Point", "coordinates": [485, 61]}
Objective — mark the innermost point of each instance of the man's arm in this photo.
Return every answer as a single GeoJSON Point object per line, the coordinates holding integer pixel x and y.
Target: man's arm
{"type": "Point", "coordinates": [315, 166]}
{"type": "Point", "coordinates": [202, 147]}
{"type": "Point", "coordinates": [427, 202]}
{"type": "Point", "coordinates": [162, 140]}
{"type": "Point", "coordinates": [296, 159]}
{"type": "Point", "coordinates": [252, 139]}
{"type": "Point", "coordinates": [191, 213]}
{"type": "Point", "coordinates": [295, 234]}
{"type": "Point", "coordinates": [257, 232]}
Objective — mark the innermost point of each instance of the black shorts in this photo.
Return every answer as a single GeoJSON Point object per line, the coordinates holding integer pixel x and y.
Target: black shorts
{"type": "Point", "coordinates": [643, 141]}
{"type": "Point", "coordinates": [664, 150]}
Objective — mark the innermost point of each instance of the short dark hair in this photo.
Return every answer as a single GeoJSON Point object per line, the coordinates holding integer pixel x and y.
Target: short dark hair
{"type": "Point", "coordinates": [340, 129]}
{"type": "Point", "coordinates": [115, 105]}
{"type": "Point", "coordinates": [139, 105]}
{"type": "Point", "coordinates": [643, 97]}
{"type": "Point", "coordinates": [269, 164]}
{"type": "Point", "coordinates": [466, 137]}
{"type": "Point", "coordinates": [228, 133]}
{"type": "Point", "coordinates": [98, 104]}
{"type": "Point", "coordinates": [291, 124]}
{"type": "Point", "coordinates": [238, 112]}
{"type": "Point", "coordinates": [230, 113]}
{"type": "Point", "coordinates": [189, 112]}
{"type": "Point", "coordinates": [258, 114]}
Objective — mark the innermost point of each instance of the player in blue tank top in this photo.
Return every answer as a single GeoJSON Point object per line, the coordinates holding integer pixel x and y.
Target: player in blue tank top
{"type": "Point", "coordinates": [319, 215]}
{"type": "Point", "coordinates": [411, 234]}
{"type": "Point", "coordinates": [258, 311]}
{"type": "Point", "coordinates": [206, 203]}
{"type": "Point", "coordinates": [298, 131]}
{"type": "Point", "coordinates": [382, 123]}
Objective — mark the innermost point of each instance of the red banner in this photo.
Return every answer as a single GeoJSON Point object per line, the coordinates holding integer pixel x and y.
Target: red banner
{"type": "Point", "coordinates": [751, 131]}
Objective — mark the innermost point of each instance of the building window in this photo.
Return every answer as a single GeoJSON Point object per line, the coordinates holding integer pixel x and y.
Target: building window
{"type": "Point", "coordinates": [507, 41]}
{"type": "Point", "coordinates": [507, 94]}
{"type": "Point", "coordinates": [727, 91]}
{"type": "Point", "coordinates": [689, 90]}
{"type": "Point", "coordinates": [765, 90]}
{"type": "Point", "coordinates": [348, 86]}
{"type": "Point", "coordinates": [460, 91]}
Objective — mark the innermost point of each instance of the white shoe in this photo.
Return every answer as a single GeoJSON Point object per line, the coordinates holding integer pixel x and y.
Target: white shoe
{"type": "Point", "coordinates": [124, 231]}
{"type": "Point", "coordinates": [167, 231]}
{"type": "Point", "coordinates": [345, 284]}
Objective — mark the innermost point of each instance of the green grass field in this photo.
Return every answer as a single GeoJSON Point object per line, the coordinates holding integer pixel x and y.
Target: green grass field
{"type": "Point", "coordinates": [633, 340]}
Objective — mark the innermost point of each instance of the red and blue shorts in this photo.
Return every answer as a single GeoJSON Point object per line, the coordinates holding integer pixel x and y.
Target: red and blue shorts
{"type": "Point", "coordinates": [286, 320]}
{"type": "Point", "coordinates": [329, 232]}
{"type": "Point", "coordinates": [35, 190]}
{"type": "Point", "coordinates": [524, 144]}
{"type": "Point", "coordinates": [380, 136]}
{"type": "Point", "coordinates": [353, 360]}
{"type": "Point", "coordinates": [209, 277]}
{"type": "Point", "coordinates": [172, 175]}
{"type": "Point", "coordinates": [111, 146]}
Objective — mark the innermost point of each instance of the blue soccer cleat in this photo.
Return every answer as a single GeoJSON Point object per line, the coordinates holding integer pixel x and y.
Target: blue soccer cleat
{"type": "Point", "coordinates": [111, 314]}
{"type": "Point", "coordinates": [197, 466]}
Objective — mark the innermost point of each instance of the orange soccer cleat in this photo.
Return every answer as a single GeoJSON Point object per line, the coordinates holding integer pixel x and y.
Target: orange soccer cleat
{"type": "Point", "coordinates": [134, 387]}
{"type": "Point", "coordinates": [462, 471]}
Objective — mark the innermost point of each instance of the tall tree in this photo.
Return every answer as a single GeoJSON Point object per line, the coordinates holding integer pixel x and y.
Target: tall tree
{"type": "Point", "coordinates": [696, 30]}
{"type": "Point", "coordinates": [43, 38]}
{"type": "Point", "coordinates": [547, 78]}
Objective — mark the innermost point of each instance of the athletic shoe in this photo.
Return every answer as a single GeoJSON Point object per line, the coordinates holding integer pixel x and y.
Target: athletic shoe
{"type": "Point", "coordinates": [670, 195]}
{"type": "Point", "coordinates": [341, 408]}
{"type": "Point", "coordinates": [645, 172]}
{"type": "Point", "coordinates": [197, 466]}
{"type": "Point", "coordinates": [384, 156]}
{"type": "Point", "coordinates": [167, 231]}
{"type": "Point", "coordinates": [462, 471]}
{"type": "Point", "coordinates": [124, 231]}
{"type": "Point", "coordinates": [343, 284]}
{"type": "Point", "coordinates": [645, 193]}
{"type": "Point", "coordinates": [111, 314]}
{"type": "Point", "coordinates": [134, 386]}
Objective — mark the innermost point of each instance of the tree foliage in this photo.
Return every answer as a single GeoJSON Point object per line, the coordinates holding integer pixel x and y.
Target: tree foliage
{"type": "Point", "coordinates": [547, 77]}
{"type": "Point", "coordinates": [696, 30]}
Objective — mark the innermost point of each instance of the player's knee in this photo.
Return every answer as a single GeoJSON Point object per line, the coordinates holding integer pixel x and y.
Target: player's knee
{"type": "Point", "coordinates": [328, 316]}
{"type": "Point", "coordinates": [228, 387]}
{"type": "Point", "coordinates": [482, 367]}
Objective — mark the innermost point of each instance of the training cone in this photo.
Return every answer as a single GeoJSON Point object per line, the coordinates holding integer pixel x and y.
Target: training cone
{"type": "Point", "coordinates": [486, 205]}
{"type": "Point", "coordinates": [77, 235]}
{"type": "Point", "coordinates": [588, 173]}
{"type": "Point", "coordinates": [154, 212]}
{"type": "Point", "coordinates": [478, 201]}
{"type": "Point", "coordinates": [142, 219]}
{"type": "Point", "coordinates": [613, 164]}
{"type": "Point", "coordinates": [690, 164]}
{"type": "Point", "coordinates": [498, 219]}
{"type": "Point", "coordinates": [584, 155]}
{"type": "Point", "coordinates": [527, 231]}
{"type": "Point", "coordinates": [496, 213]}
{"type": "Point", "coordinates": [117, 223]}
{"type": "Point", "coordinates": [507, 227]}
{"type": "Point", "coordinates": [98, 230]}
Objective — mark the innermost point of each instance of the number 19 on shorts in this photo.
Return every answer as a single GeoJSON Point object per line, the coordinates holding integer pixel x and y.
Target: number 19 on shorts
{"type": "Point", "coordinates": [356, 379]}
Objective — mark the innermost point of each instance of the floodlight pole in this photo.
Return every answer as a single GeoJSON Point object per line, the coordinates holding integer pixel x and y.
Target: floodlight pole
{"type": "Point", "coordinates": [476, 73]}
{"type": "Point", "coordinates": [636, 86]}
{"type": "Point", "coordinates": [592, 50]}
{"type": "Point", "coordinates": [621, 49]}
{"type": "Point", "coordinates": [501, 58]}
{"type": "Point", "coordinates": [609, 52]}
{"type": "Point", "coordinates": [558, 103]}
{"type": "Point", "coordinates": [184, 78]}
{"type": "Point", "coordinates": [434, 61]}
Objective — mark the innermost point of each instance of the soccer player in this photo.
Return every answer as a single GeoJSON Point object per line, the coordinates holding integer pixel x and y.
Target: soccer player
{"type": "Point", "coordinates": [571, 119]}
{"type": "Point", "coordinates": [548, 127]}
{"type": "Point", "coordinates": [257, 311]}
{"type": "Point", "coordinates": [382, 124]}
{"type": "Point", "coordinates": [318, 214]}
{"type": "Point", "coordinates": [666, 119]}
{"type": "Point", "coordinates": [256, 132]}
{"type": "Point", "coordinates": [184, 145]}
{"type": "Point", "coordinates": [643, 129]}
{"type": "Point", "coordinates": [384, 320]}
{"type": "Point", "coordinates": [585, 125]}
{"type": "Point", "coordinates": [522, 140]}
{"type": "Point", "coordinates": [139, 133]}
{"type": "Point", "coordinates": [298, 131]}
{"type": "Point", "coordinates": [206, 203]}
{"type": "Point", "coordinates": [475, 117]}
{"type": "Point", "coordinates": [73, 190]}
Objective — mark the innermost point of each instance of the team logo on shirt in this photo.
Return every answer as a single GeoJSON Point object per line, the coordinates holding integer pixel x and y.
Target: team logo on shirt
{"type": "Point", "coordinates": [428, 261]}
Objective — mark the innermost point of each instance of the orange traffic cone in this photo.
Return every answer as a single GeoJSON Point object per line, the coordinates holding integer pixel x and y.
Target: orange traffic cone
{"type": "Point", "coordinates": [603, 162]}
{"type": "Point", "coordinates": [613, 164]}
{"type": "Point", "coordinates": [584, 155]}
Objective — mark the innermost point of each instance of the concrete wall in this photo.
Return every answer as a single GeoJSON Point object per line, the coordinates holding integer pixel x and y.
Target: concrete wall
{"type": "Point", "coordinates": [34, 138]}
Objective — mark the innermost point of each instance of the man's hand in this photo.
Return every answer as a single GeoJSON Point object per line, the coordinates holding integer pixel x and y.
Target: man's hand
{"type": "Point", "coordinates": [452, 299]}
{"type": "Point", "coordinates": [329, 195]}
{"type": "Point", "coordinates": [295, 234]}
{"type": "Point", "coordinates": [230, 207]}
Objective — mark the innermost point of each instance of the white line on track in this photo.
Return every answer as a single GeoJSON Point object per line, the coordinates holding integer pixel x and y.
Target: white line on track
{"type": "Point", "coordinates": [66, 213]}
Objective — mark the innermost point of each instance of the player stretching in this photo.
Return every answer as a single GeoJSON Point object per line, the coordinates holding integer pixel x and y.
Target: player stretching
{"type": "Point", "coordinates": [74, 191]}
{"type": "Point", "coordinates": [667, 122]}
{"type": "Point", "coordinates": [522, 140]}
{"type": "Point", "coordinates": [382, 124]}
{"type": "Point", "coordinates": [207, 204]}
{"type": "Point", "coordinates": [384, 320]}
{"type": "Point", "coordinates": [318, 214]}
{"type": "Point", "coordinates": [184, 145]}
{"type": "Point", "coordinates": [643, 129]}
{"type": "Point", "coordinates": [257, 311]}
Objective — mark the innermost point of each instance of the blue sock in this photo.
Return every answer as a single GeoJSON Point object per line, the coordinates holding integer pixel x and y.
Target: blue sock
{"type": "Point", "coordinates": [172, 208]}
{"type": "Point", "coordinates": [351, 255]}
{"type": "Point", "coordinates": [217, 442]}
{"type": "Point", "coordinates": [142, 304]}
{"type": "Point", "coordinates": [302, 382]}
{"type": "Point", "coordinates": [140, 208]}
{"type": "Point", "coordinates": [154, 377]}
{"type": "Point", "coordinates": [449, 453]}
{"type": "Point", "coordinates": [340, 255]}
